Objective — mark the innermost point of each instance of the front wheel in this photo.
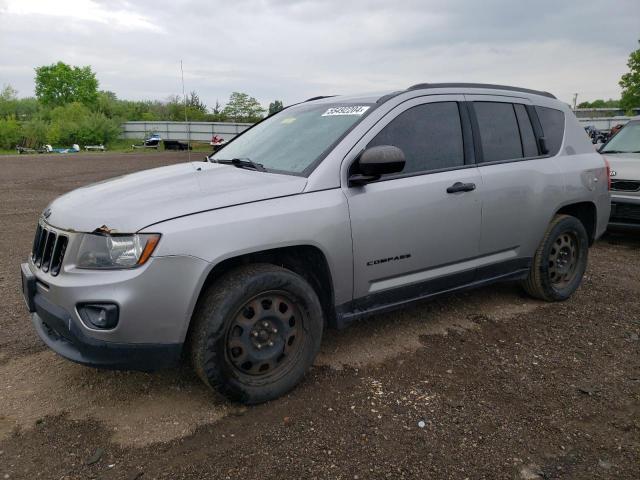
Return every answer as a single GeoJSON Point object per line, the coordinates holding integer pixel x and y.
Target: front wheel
{"type": "Point", "coordinates": [256, 332]}
{"type": "Point", "coordinates": [560, 261]}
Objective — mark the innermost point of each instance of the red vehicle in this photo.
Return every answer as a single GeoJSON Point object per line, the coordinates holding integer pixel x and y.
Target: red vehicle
{"type": "Point", "coordinates": [216, 142]}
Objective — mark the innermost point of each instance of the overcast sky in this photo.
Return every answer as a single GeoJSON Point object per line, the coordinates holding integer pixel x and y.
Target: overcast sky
{"type": "Point", "coordinates": [292, 50]}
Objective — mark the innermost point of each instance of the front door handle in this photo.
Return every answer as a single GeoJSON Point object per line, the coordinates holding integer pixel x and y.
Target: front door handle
{"type": "Point", "coordinates": [461, 187]}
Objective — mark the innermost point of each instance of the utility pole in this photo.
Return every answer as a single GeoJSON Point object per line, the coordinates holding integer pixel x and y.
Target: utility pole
{"type": "Point", "coordinates": [575, 101]}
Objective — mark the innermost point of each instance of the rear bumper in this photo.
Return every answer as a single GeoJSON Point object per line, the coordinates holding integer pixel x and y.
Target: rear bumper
{"type": "Point", "coordinates": [59, 332]}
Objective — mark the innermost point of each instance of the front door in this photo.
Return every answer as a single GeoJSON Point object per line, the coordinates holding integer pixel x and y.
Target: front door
{"type": "Point", "coordinates": [417, 232]}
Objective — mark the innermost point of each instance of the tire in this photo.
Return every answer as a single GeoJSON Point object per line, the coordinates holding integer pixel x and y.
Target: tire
{"type": "Point", "coordinates": [560, 261]}
{"type": "Point", "coordinates": [253, 316]}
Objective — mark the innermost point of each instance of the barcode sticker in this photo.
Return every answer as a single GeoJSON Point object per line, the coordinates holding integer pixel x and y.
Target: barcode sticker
{"type": "Point", "coordinates": [349, 110]}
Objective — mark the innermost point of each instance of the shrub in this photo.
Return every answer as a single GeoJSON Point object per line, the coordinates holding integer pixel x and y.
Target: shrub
{"type": "Point", "coordinates": [37, 131]}
{"type": "Point", "coordinates": [97, 128]}
{"type": "Point", "coordinates": [75, 123]}
{"type": "Point", "coordinates": [10, 133]}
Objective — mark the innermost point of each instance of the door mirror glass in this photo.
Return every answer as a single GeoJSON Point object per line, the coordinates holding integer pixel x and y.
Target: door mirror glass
{"type": "Point", "coordinates": [377, 161]}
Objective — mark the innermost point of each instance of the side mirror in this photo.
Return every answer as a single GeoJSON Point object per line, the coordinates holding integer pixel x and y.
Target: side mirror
{"type": "Point", "coordinates": [375, 162]}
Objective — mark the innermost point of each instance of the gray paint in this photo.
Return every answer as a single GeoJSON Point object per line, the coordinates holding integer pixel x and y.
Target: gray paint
{"type": "Point", "coordinates": [209, 213]}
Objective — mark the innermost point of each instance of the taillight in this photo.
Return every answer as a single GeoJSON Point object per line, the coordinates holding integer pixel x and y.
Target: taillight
{"type": "Point", "coordinates": [606, 162]}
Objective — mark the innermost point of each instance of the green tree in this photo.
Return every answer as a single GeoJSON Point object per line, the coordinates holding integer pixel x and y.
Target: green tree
{"type": "Point", "coordinates": [8, 93]}
{"type": "Point", "coordinates": [10, 133]}
{"type": "Point", "coordinates": [217, 108]}
{"type": "Point", "coordinates": [65, 122]}
{"type": "Point", "coordinates": [96, 128]}
{"type": "Point", "coordinates": [243, 108]}
{"type": "Point", "coordinates": [611, 103]}
{"type": "Point", "coordinates": [107, 103]}
{"type": "Point", "coordinates": [59, 84]}
{"type": "Point", "coordinates": [36, 130]}
{"type": "Point", "coordinates": [8, 101]}
{"type": "Point", "coordinates": [630, 82]}
{"type": "Point", "coordinates": [275, 107]}
{"type": "Point", "coordinates": [195, 104]}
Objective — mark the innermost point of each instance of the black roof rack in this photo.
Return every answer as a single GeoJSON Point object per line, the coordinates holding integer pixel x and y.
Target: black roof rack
{"type": "Point", "coordinates": [388, 96]}
{"type": "Point", "coordinates": [320, 97]}
{"type": "Point", "coordinates": [421, 86]}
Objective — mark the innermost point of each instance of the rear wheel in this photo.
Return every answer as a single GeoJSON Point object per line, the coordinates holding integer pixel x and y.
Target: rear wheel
{"type": "Point", "coordinates": [256, 332]}
{"type": "Point", "coordinates": [560, 261]}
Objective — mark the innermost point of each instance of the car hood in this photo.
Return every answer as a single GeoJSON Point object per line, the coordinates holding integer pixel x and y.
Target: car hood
{"type": "Point", "coordinates": [128, 203]}
{"type": "Point", "coordinates": [625, 165]}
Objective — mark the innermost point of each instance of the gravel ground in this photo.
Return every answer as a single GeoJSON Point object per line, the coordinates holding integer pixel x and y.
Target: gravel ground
{"type": "Point", "coordinates": [484, 384]}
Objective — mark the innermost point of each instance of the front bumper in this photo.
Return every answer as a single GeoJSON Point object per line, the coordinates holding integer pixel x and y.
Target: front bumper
{"type": "Point", "coordinates": [155, 304]}
{"type": "Point", "coordinates": [625, 211]}
{"type": "Point", "coordinates": [56, 329]}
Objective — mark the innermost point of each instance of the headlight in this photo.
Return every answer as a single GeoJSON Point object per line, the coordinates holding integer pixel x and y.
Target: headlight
{"type": "Point", "coordinates": [116, 251]}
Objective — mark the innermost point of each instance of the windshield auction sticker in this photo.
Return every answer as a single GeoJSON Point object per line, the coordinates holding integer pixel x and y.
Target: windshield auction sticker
{"type": "Point", "coordinates": [350, 110]}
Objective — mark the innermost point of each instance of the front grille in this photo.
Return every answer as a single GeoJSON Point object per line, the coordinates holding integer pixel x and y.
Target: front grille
{"type": "Point", "coordinates": [625, 211]}
{"type": "Point", "coordinates": [625, 185]}
{"type": "Point", "coordinates": [48, 250]}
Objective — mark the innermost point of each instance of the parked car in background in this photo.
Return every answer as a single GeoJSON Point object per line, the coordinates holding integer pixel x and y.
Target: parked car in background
{"type": "Point", "coordinates": [217, 142]}
{"type": "Point", "coordinates": [623, 154]}
{"type": "Point", "coordinates": [323, 213]}
{"type": "Point", "coordinates": [152, 141]}
{"type": "Point", "coordinates": [596, 135]}
{"type": "Point", "coordinates": [615, 129]}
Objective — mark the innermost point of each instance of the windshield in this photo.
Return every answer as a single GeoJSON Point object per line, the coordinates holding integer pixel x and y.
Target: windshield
{"type": "Point", "coordinates": [293, 140]}
{"type": "Point", "coordinates": [626, 140]}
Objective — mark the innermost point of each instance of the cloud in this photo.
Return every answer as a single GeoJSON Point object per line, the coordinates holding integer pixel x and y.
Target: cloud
{"type": "Point", "coordinates": [75, 12]}
{"type": "Point", "coordinates": [295, 49]}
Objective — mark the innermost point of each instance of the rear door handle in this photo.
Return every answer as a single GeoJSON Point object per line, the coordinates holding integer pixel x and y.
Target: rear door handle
{"type": "Point", "coordinates": [461, 187]}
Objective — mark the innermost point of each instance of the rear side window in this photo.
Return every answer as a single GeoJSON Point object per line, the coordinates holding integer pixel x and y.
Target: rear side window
{"type": "Point", "coordinates": [430, 136]}
{"type": "Point", "coordinates": [499, 133]}
{"type": "Point", "coordinates": [528, 137]}
{"type": "Point", "coordinates": [552, 121]}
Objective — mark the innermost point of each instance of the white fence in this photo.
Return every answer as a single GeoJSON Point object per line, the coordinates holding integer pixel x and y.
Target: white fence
{"type": "Point", "coordinates": [603, 123]}
{"type": "Point", "coordinates": [185, 131]}
{"type": "Point", "coordinates": [203, 131]}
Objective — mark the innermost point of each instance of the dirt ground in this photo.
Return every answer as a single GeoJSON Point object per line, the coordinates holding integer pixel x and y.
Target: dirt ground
{"type": "Point", "coordinates": [483, 384]}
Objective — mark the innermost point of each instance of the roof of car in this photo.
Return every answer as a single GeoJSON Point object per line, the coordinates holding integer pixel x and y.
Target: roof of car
{"type": "Point", "coordinates": [384, 96]}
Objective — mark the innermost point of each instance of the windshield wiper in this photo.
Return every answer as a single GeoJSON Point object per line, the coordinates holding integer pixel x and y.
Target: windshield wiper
{"type": "Point", "coordinates": [241, 163]}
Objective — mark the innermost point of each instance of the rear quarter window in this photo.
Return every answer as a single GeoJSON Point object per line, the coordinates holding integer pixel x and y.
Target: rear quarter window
{"type": "Point", "coordinates": [552, 122]}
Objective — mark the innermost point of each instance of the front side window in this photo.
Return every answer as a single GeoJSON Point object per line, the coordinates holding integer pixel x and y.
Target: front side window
{"type": "Point", "coordinates": [293, 140]}
{"type": "Point", "coordinates": [626, 140]}
{"type": "Point", "coordinates": [430, 136]}
{"type": "Point", "coordinates": [499, 133]}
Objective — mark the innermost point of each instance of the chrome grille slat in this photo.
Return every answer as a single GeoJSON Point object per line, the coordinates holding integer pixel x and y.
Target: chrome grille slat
{"type": "Point", "coordinates": [49, 248]}
{"type": "Point", "coordinates": [58, 254]}
{"type": "Point", "coordinates": [625, 185]}
{"type": "Point", "coordinates": [38, 253]}
{"type": "Point", "coordinates": [36, 241]}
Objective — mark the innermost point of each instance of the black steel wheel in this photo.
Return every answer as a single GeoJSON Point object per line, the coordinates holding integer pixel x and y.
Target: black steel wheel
{"type": "Point", "coordinates": [563, 259]}
{"type": "Point", "coordinates": [266, 334]}
{"type": "Point", "coordinates": [255, 332]}
{"type": "Point", "coordinates": [560, 261]}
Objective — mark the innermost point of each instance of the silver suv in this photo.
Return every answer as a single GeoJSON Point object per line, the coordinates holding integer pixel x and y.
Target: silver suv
{"type": "Point", "coordinates": [326, 212]}
{"type": "Point", "coordinates": [623, 153]}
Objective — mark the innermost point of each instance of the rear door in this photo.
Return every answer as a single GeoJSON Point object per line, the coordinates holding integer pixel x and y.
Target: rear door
{"type": "Point", "coordinates": [410, 236]}
{"type": "Point", "coordinates": [519, 182]}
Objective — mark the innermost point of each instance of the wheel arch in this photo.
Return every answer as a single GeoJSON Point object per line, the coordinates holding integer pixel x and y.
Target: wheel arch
{"type": "Point", "coordinates": [308, 261]}
{"type": "Point", "coordinates": [586, 212]}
